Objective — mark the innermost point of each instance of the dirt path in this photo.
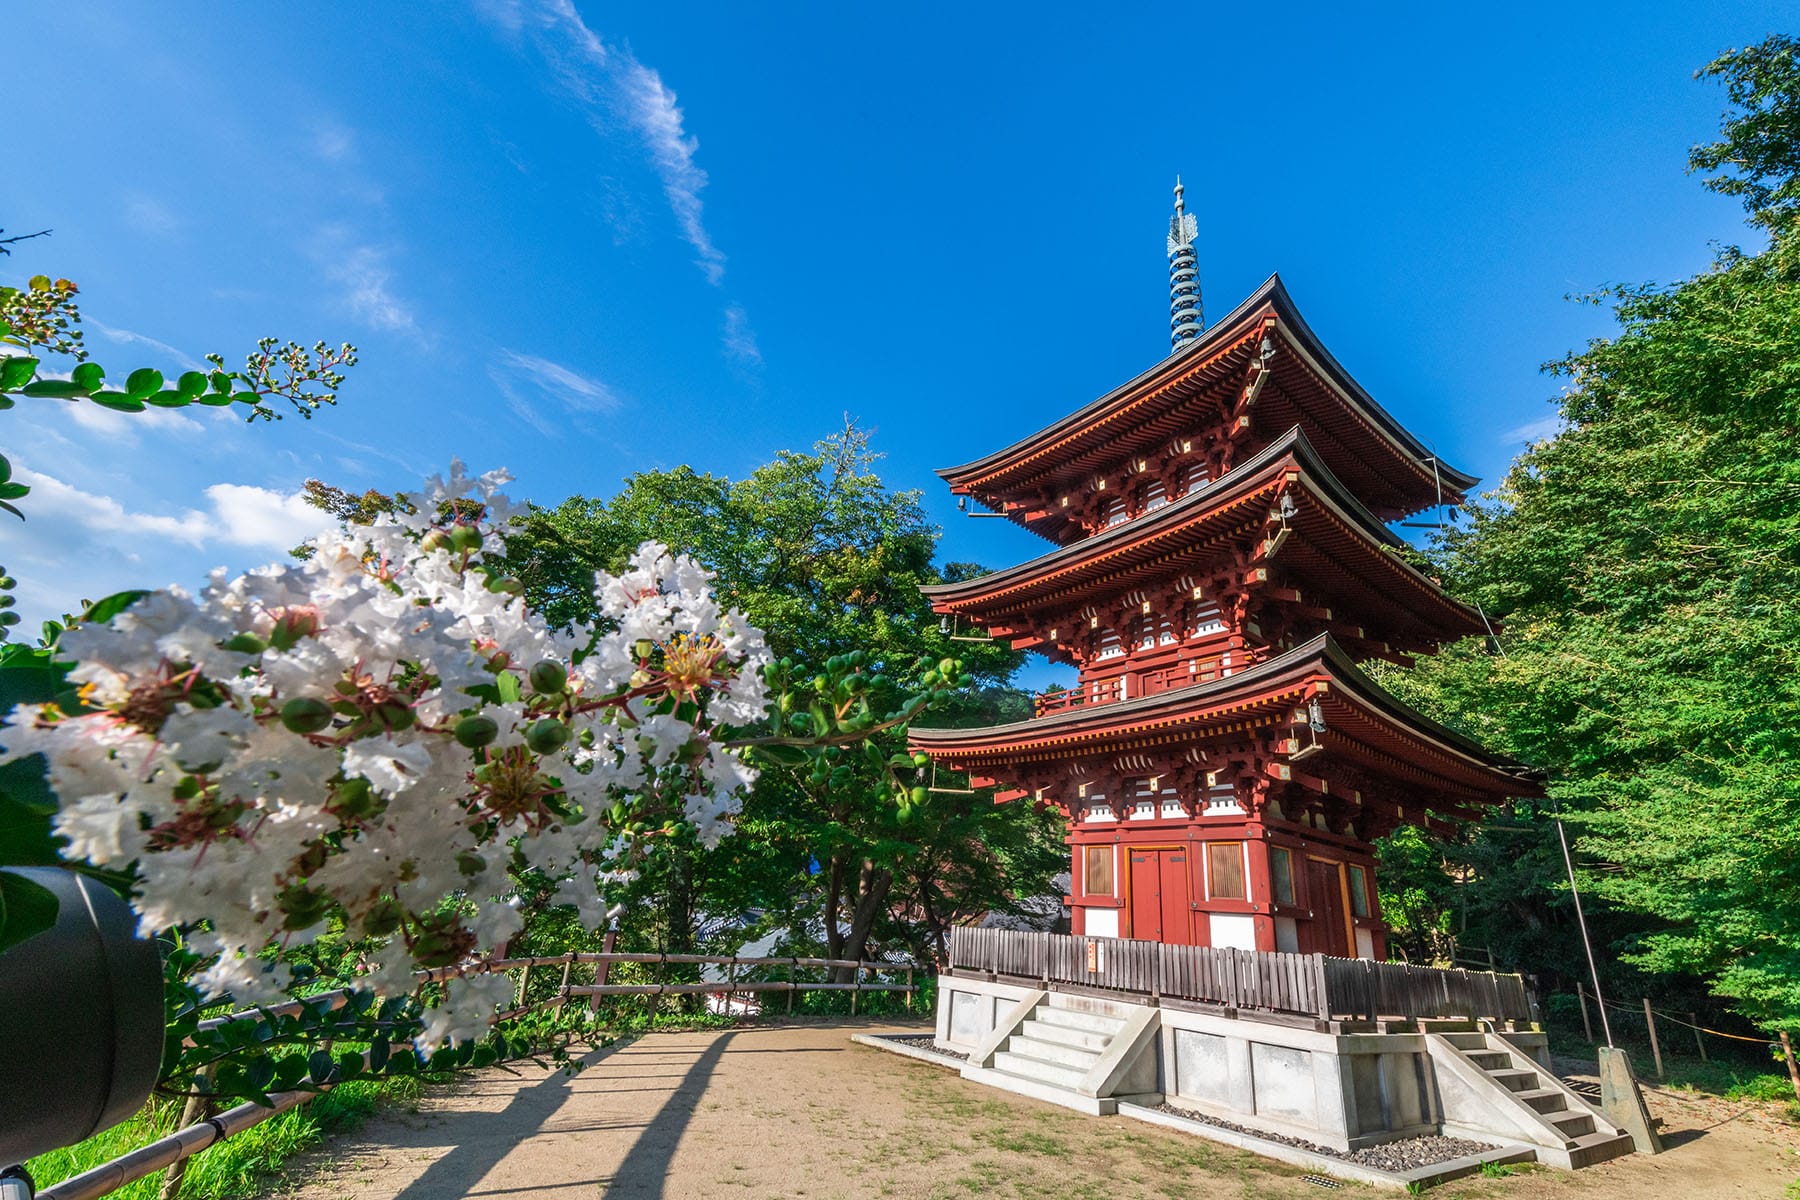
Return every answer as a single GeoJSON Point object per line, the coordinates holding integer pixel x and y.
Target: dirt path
{"type": "Point", "coordinates": [801, 1111]}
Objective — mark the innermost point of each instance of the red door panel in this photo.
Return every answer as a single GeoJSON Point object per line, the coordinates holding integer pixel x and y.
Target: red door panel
{"type": "Point", "coordinates": [1146, 895]}
{"type": "Point", "coordinates": [1177, 916]}
{"type": "Point", "coordinates": [1325, 896]}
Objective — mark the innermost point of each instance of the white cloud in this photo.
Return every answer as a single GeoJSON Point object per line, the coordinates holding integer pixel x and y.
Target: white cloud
{"type": "Point", "coordinates": [740, 339]}
{"type": "Point", "coordinates": [76, 545]}
{"type": "Point", "coordinates": [126, 337]}
{"type": "Point", "coordinates": [361, 270]}
{"type": "Point", "coordinates": [1533, 431]}
{"type": "Point", "coordinates": [333, 142]}
{"type": "Point", "coordinates": [612, 85]}
{"type": "Point", "coordinates": [528, 381]}
{"type": "Point", "coordinates": [149, 215]}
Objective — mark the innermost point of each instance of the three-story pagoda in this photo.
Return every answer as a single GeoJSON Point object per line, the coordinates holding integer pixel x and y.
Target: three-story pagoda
{"type": "Point", "coordinates": [1222, 564]}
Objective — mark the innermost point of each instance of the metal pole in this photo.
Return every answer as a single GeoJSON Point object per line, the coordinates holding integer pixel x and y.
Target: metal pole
{"type": "Point", "coordinates": [1587, 1026]}
{"type": "Point", "coordinates": [1581, 919]}
{"type": "Point", "coordinates": [1694, 1020]}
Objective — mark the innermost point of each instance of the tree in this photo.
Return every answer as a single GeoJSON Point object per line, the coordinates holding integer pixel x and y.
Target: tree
{"type": "Point", "coordinates": [1644, 562]}
{"type": "Point", "coordinates": [818, 551]}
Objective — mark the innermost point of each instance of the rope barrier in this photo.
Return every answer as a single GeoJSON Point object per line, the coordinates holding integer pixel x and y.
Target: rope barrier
{"type": "Point", "coordinates": [1736, 1037]}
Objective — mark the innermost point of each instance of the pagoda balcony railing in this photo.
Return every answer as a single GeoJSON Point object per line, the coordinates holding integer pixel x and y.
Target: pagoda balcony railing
{"type": "Point", "coordinates": [1314, 985]}
{"type": "Point", "coordinates": [1132, 685]}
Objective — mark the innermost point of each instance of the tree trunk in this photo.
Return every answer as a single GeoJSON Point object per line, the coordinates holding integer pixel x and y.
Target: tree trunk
{"type": "Point", "coordinates": [872, 891]}
{"type": "Point", "coordinates": [834, 891]}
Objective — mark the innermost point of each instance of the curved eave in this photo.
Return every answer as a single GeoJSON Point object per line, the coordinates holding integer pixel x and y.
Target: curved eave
{"type": "Point", "coordinates": [1190, 371]}
{"type": "Point", "coordinates": [1256, 698]}
{"type": "Point", "coordinates": [1190, 521]}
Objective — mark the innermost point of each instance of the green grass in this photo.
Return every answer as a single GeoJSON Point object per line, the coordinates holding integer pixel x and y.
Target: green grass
{"type": "Point", "coordinates": [232, 1168]}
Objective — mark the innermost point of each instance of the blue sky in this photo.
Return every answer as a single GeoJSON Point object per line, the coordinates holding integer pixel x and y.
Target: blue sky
{"type": "Point", "coordinates": [579, 241]}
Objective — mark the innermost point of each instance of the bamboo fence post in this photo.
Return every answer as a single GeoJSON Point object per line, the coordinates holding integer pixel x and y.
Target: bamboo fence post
{"type": "Point", "coordinates": [855, 986]}
{"type": "Point", "coordinates": [1587, 1026]}
{"type": "Point", "coordinates": [524, 984]}
{"type": "Point", "coordinates": [909, 989]}
{"type": "Point", "coordinates": [1787, 1050]}
{"type": "Point", "coordinates": [792, 964]}
{"type": "Point", "coordinates": [1694, 1020]}
{"type": "Point", "coordinates": [730, 983]}
{"type": "Point", "coordinates": [1655, 1047]}
{"type": "Point", "coordinates": [197, 1109]}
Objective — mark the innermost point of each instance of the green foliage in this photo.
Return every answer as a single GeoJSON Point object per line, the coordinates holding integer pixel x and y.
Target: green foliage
{"type": "Point", "coordinates": [829, 561]}
{"type": "Point", "coordinates": [1644, 561]}
{"type": "Point", "coordinates": [43, 317]}
{"type": "Point", "coordinates": [1762, 137]}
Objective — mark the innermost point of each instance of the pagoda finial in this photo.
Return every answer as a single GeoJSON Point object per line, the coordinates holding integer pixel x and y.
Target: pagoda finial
{"type": "Point", "coordinates": [1186, 316]}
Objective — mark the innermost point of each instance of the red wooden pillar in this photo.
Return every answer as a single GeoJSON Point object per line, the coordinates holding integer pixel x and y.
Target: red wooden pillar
{"type": "Point", "coordinates": [1262, 890]}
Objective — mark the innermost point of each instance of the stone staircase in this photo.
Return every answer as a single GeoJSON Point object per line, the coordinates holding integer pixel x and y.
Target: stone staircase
{"type": "Point", "coordinates": [1069, 1050]}
{"type": "Point", "coordinates": [1531, 1104]}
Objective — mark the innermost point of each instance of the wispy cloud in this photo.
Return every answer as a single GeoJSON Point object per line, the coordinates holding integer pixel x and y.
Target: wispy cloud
{"type": "Point", "coordinates": [146, 214]}
{"type": "Point", "coordinates": [541, 392]}
{"type": "Point", "coordinates": [126, 337]}
{"type": "Point", "coordinates": [613, 87]}
{"type": "Point", "coordinates": [1533, 432]}
{"type": "Point", "coordinates": [332, 142]}
{"type": "Point", "coordinates": [361, 270]}
{"type": "Point", "coordinates": [740, 339]}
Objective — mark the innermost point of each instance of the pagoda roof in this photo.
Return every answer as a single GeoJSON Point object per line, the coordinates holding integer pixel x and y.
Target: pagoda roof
{"type": "Point", "coordinates": [1365, 725]}
{"type": "Point", "coordinates": [1338, 549]}
{"type": "Point", "coordinates": [1383, 463]}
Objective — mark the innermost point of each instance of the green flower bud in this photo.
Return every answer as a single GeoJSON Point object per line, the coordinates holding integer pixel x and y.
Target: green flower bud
{"type": "Point", "coordinates": [549, 678]}
{"type": "Point", "coordinates": [303, 714]}
{"type": "Point", "coordinates": [435, 541]}
{"type": "Point", "coordinates": [465, 538]}
{"type": "Point", "coordinates": [547, 736]}
{"type": "Point", "coordinates": [475, 732]}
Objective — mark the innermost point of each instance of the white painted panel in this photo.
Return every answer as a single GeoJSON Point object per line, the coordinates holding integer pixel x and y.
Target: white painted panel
{"type": "Point", "coordinates": [1365, 944]}
{"type": "Point", "coordinates": [1200, 1066]}
{"type": "Point", "coordinates": [1287, 935]}
{"type": "Point", "coordinates": [1103, 922]}
{"type": "Point", "coordinates": [1233, 931]}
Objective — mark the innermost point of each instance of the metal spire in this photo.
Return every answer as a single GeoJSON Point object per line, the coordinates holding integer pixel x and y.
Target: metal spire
{"type": "Point", "coordinates": [1186, 316]}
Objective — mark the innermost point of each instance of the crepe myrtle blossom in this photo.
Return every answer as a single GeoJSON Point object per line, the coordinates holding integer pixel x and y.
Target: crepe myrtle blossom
{"type": "Point", "coordinates": [383, 733]}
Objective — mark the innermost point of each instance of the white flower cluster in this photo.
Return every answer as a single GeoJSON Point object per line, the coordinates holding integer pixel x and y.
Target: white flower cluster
{"type": "Point", "coordinates": [382, 733]}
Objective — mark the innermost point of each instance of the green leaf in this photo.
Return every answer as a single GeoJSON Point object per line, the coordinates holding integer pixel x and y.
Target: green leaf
{"type": "Point", "coordinates": [289, 1071]}
{"type": "Point", "coordinates": [105, 609]}
{"type": "Point", "coordinates": [117, 401]}
{"type": "Point", "coordinates": [319, 1065]}
{"type": "Point", "coordinates": [54, 389]}
{"type": "Point", "coordinates": [213, 400]}
{"type": "Point", "coordinates": [507, 685]}
{"type": "Point", "coordinates": [260, 1073]}
{"type": "Point", "coordinates": [15, 373]}
{"type": "Point", "coordinates": [143, 382]}
{"type": "Point", "coordinates": [87, 376]}
{"type": "Point", "coordinates": [221, 382]}
{"type": "Point", "coordinates": [379, 1051]}
{"type": "Point", "coordinates": [191, 383]}
{"type": "Point", "coordinates": [168, 399]}
{"type": "Point", "coordinates": [27, 908]}
{"type": "Point", "coordinates": [12, 491]}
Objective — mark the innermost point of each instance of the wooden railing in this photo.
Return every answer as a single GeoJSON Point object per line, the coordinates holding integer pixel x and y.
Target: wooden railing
{"type": "Point", "coordinates": [1311, 985]}
{"type": "Point", "coordinates": [1130, 685]}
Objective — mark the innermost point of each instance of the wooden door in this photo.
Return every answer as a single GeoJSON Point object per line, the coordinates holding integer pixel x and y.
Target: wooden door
{"type": "Point", "coordinates": [1161, 909]}
{"type": "Point", "coordinates": [1146, 894]}
{"type": "Point", "coordinates": [1325, 895]}
{"type": "Point", "coordinates": [1177, 910]}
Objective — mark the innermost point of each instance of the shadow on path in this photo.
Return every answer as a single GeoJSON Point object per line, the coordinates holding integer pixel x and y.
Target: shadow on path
{"type": "Point", "coordinates": [645, 1169]}
{"type": "Point", "coordinates": [468, 1161]}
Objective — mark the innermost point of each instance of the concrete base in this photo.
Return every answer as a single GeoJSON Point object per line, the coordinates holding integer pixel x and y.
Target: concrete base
{"type": "Point", "coordinates": [1289, 1078]}
{"type": "Point", "coordinates": [1622, 1100]}
{"type": "Point", "coordinates": [1325, 1164]}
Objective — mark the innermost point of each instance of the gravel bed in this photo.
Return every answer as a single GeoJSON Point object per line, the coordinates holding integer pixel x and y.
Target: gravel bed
{"type": "Point", "coordinates": [1405, 1155]}
{"type": "Point", "coordinates": [924, 1041]}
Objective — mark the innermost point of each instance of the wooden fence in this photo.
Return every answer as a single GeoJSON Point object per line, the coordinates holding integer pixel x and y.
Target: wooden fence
{"type": "Point", "coordinates": [1312, 985]}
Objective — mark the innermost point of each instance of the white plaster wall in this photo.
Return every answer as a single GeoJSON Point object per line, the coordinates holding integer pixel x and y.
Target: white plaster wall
{"type": "Point", "coordinates": [1365, 944]}
{"type": "Point", "coordinates": [1233, 931]}
{"type": "Point", "coordinates": [1103, 922]}
{"type": "Point", "coordinates": [1284, 1083]}
{"type": "Point", "coordinates": [1287, 935]}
